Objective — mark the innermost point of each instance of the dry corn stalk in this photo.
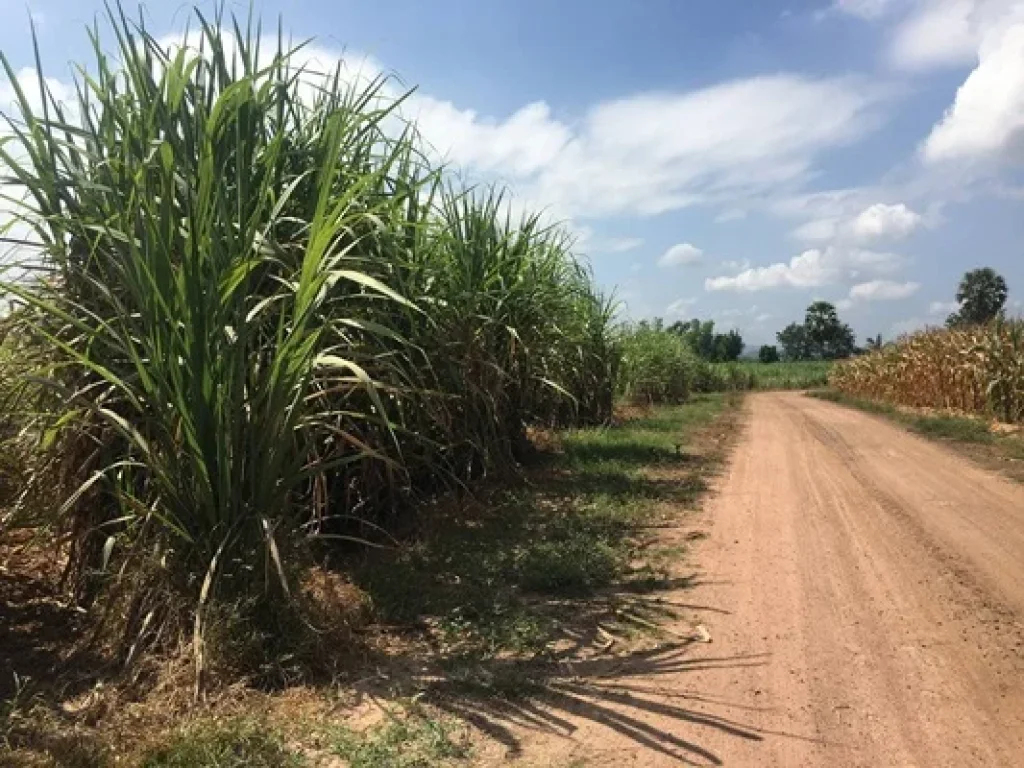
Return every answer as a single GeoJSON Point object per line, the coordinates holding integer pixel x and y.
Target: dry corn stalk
{"type": "Point", "coordinates": [976, 370]}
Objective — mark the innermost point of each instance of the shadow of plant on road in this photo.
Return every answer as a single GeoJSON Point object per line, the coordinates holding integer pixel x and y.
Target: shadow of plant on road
{"type": "Point", "coordinates": [560, 603]}
{"type": "Point", "coordinates": [512, 701]}
{"type": "Point", "coordinates": [531, 609]}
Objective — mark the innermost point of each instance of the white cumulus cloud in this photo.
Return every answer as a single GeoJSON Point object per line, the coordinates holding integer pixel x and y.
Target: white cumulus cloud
{"type": "Point", "coordinates": [877, 223]}
{"type": "Point", "coordinates": [655, 152]}
{"type": "Point", "coordinates": [883, 290]}
{"type": "Point", "coordinates": [937, 33]}
{"type": "Point", "coordinates": [884, 222]}
{"type": "Point", "coordinates": [681, 254]}
{"type": "Point", "coordinates": [986, 119]}
{"type": "Point", "coordinates": [523, 144]}
{"type": "Point", "coordinates": [806, 270]}
{"type": "Point", "coordinates": [811, 269]}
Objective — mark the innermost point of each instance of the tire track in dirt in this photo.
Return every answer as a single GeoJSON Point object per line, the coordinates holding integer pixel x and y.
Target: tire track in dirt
{"type": "Point", "coordinates": [872, 585]}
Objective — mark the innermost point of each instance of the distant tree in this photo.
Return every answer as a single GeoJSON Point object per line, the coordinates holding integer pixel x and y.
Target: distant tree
{"type": "Point", "coordinates": [822, 336]}
{"type": "Point", "coordinates": [829, 337]}
{"type": "Point", "coordinates": [728, 346]}
{"type": "Point", "coordinates": [768, 354]}
{"type": "Point", "coordinates": [794, 342]}
{"type": "Point", "coordinates": [700, 337]}
{"type": "Point", "coordinates": [981, 295]}
{"type": "Point", "coordinates": [875, 343]}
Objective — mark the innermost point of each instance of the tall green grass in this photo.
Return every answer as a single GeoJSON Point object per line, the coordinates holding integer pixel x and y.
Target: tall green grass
{"type": "Point", "coordinates": [657, 366]}
{"type": "Point", "coordinates": [805, 374]}
{"type": "Point", "coordinates": [259, 318]}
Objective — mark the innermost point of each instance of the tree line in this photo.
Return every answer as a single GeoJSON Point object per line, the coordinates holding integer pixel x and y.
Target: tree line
{"type": "Point", "coordinates": [701, 339]}
{"type": "Point", "coordinates": [981, 296]}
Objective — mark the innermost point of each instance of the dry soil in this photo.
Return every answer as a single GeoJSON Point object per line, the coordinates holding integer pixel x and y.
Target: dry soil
{"type": "Point", "coordinates": [864, 592]}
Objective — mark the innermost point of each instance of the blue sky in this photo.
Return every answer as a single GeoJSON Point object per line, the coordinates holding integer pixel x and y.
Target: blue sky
{"type": "Point", "coordinates": [733, 159]}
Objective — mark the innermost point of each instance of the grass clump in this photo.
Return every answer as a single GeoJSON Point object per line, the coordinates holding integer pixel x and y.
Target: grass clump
{"type": "Point", "coordinates": [411, 742]}
{"type": "Point", "coordinates": [232, 744]}
{"type": "Point", "coordinates": [953, 428]}
{"type": "Point", "coordinates": [570, 566]}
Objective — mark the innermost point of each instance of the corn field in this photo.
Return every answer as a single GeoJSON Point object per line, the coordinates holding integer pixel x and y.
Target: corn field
{"type": "Point", "coordinates": [975, 370]}
{"type": "Point", "coordinates": [257, 320]}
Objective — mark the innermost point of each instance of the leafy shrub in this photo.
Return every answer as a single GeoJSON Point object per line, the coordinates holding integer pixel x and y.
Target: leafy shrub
{"type": "Point", "coordinates": [657, 366]}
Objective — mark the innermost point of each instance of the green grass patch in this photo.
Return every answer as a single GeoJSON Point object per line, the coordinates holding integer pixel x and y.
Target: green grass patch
{"type": "Point", "coordinates": [953, 428]}
{"type": "Point", "coordinates": [234, 744]}
{"type": "Point", "coordinates": [414, 742]}
{"type": "Point", "coordinates": [501, 573]}
{"type": "Point", "coordinates": [957, 429]}
{"type": "Point", "coordinates": [805, 374]}
{"type": "Point", "coordinates": [862, 404]}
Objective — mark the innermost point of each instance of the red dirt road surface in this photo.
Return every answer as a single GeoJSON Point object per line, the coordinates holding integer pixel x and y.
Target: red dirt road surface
{"type": "Point", "coordinates": [864, 591]}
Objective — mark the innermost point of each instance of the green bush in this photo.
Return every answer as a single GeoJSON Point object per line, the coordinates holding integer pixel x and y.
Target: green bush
{"type": "Point", "coordinates": [657, 366]}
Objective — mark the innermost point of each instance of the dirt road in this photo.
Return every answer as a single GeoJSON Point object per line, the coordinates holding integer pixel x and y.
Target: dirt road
{"type": "Point", "coordinates": [864, 590]}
